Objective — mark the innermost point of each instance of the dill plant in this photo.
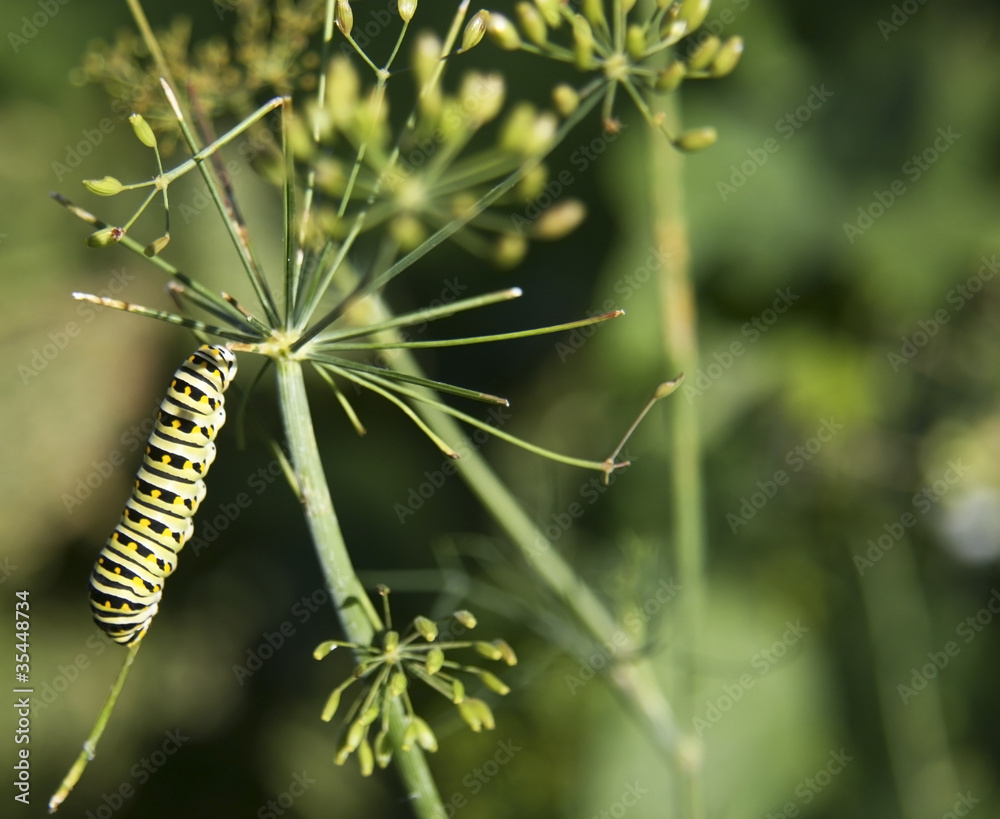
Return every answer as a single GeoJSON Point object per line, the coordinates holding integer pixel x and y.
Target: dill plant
{"type": "Point", "coordinates": [349, 174]}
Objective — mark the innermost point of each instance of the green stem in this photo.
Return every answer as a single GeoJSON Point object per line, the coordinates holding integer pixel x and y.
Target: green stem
{"type": "Point", "coordinates": [678, 314]}
{"type": "Point", "coordinates": [916, 732]}
{"type": "Point", "coordinates": [633, 676]}
{"type": "Point", "coordinates": [358, 616]}
{"type": "Point", "coordinates": [90, 746]}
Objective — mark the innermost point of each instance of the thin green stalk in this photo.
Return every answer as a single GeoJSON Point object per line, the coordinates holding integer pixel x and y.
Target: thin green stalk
{"type": "Point", "coordinates": [358, 616]}
{"type": "Point", "coordinates": [90, 746]}
{"type": "Point", "coordinates": [633, 676]}
{"type": "Point", "coordinates": [916, 734]}
{"type": "Point", "coordinates": [678, 314]}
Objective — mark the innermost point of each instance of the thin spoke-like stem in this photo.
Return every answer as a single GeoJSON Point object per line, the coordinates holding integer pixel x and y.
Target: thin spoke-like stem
{"type": "Point", "coordinates": [90, 746]}
{"type": "Point", "coordinates": [457, 224]}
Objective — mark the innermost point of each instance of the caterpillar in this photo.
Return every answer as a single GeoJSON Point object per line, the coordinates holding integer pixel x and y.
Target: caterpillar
{"type": "Point", "coordinates": [127, 580]}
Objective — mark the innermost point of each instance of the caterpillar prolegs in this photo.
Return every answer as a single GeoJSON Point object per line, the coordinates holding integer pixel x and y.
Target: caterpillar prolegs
{"type": "Point", "coordinates": [127, 581]}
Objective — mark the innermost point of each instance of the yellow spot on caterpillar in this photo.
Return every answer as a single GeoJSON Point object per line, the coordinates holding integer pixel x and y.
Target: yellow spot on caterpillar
{"type": "Point", "coordinates": [118, 569]}
{"type": "Point", "coordinates": [165, 459]}
{"type": "Point", "coordinates": [155, 493]}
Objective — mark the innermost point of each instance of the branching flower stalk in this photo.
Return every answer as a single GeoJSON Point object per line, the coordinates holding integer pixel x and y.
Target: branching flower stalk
{"type": "Point", "coordinates": [330, 312]}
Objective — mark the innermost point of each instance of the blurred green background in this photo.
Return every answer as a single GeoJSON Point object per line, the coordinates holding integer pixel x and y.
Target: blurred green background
{"type": "Point", "coordinates": [855, 185]}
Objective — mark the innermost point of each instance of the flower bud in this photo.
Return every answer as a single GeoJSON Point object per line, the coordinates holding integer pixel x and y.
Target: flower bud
{"type": "Point", "coordinates": [420, 732]}
{"type": "Point", "coordinates": [701, 58]}
{"type": "Point", "coordinates": [494, 683]}
{"type": "Point", "coordinates": [434, 661]}
{"type": "Point", "coordinates": [696, 139]}
{"type": "Point", "coordinates": [406, 9]}
{"type": "Point", "coordinates": [477, 715]}
{"type": "Point", "coordinates": [533, 183]}
{"type": "Point", "coordinates": [426, 628]}
{"type": "Point", "coordinates": [532, 23]}
{"type": "Point", "coordinates": [142, 130]}
{"type": "Point", "coordinates": [539, 138]}
{"type": "Point", "coordinates": [383, 748]}
{"type": "Point", "coordinates": [566, 99]}
{"type": "Point", "coordinates": [391, 640]}
{"type": "Point", "coordinates": [108, 186]}
{"type": "Point", "coordinates": [558, 220]}
{"type": "Point", "coordinates": [366, 760]}
{"type": "Point", "coordinates": [516, 126]}
{"type": "Point", "coordinates": [354, 735]}
{"type": "Point", "coordinates": [507, 653]}
{"type": "Point", "coordinates": [105, 237]}
{"type": "Point", "coordinates": [481, 97]}
{"type": "Point", "coordinates": [342, 87]}
{"type": "Point", "coordinates": [672, 30]}
{"type": "Point", "coordinates": [425, 736]}
{"type": "Point", "coordinates": [693, 13]}
{"type": "Point", "coordinates": [474, 30]}
{"type": "Point", "coordinates": [727, 58]}
{"type": "Point", "coordinates": [509, 250]}
{"type": "Point", "coordinates": [503, 33]}
{"type": "Point", "coordinates": [488, 650]}
{"type": "Point", "coordinates": [344, 16]}
{"type": "Point", "coordinates": [324, 648]}
{"type": "Point", "coordinates": [583, 42]}
{"type": "Point", "coordinates": [635, 41]}
{"type": "Point", "coordinates": [593, 10]}
{"type": "Point", "coordinates": [330, 176]}
{"type": "Point", "coordinates": [426, 53]}
{"type": "Point", "coordinates": [550, 11]}
{"type": "Point", "coordinates": [667, 387]}
{"type": "Point", "coordinates": [457, 691]}
{"type": "Point", "coordinates": [468, 713]}
{"type": "Point", "coordinates": [465, 617]}
{"type": "Point", "coordinates": [397, 684]}
{"type": "Point", "coordinates": [370, 715]}
{"type": "Point", "coordinates": [408, 231]}
{"type": "Point", "coordinates": [332, 703]}
{"type": "Point", "coordinates": [156, 247]}
{"type": "Point", "coordinates": [670, 78]}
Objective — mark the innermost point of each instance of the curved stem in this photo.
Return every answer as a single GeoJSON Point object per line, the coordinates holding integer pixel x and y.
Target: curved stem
{"type": "Point", "coordinates": [358, 616]}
